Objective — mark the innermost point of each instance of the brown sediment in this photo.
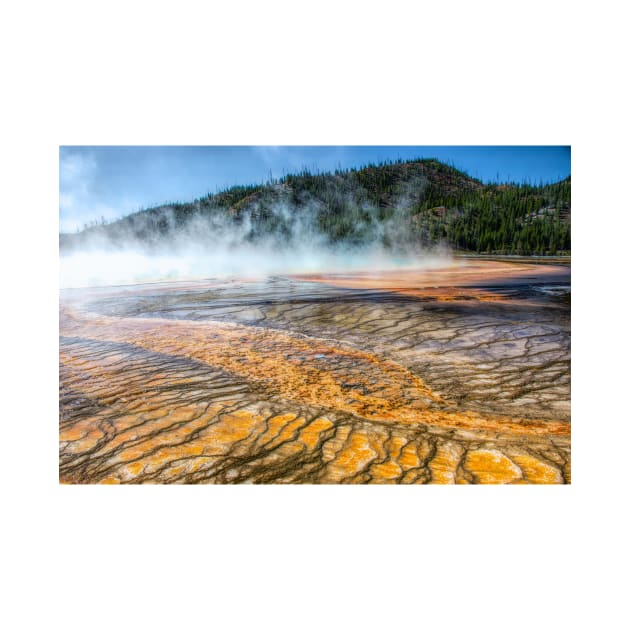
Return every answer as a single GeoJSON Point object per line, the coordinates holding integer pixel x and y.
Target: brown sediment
{"type": "Point", "coordinates": [156, 400]}
{"type": "Point", "coordinates": [308, 371]}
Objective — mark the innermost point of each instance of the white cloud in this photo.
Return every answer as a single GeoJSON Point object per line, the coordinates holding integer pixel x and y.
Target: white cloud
{"type": "Point", "coordinates": [79, 202]}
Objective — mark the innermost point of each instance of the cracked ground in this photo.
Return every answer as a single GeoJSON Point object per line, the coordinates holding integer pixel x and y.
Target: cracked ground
{"type": "Point", "coordinates": [459, 374]}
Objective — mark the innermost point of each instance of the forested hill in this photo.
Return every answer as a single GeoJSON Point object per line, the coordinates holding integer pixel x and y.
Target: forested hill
{"type": "Point", "coordinates": [396, 205]}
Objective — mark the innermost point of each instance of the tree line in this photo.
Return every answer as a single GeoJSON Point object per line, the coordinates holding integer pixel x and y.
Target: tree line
{"type": "Point", "coordinates": [423, 202]}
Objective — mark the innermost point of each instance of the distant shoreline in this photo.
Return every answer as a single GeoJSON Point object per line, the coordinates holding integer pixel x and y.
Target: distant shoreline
{"type": "Point", "coordinates": [558, 260]}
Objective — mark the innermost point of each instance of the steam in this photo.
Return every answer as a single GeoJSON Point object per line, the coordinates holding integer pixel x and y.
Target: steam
{"type": "Point", "coordinates": [267, 235]}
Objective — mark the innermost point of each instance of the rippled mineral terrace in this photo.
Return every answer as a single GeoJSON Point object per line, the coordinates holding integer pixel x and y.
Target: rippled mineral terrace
{"type": "Point", "coordinates": [458, 374]}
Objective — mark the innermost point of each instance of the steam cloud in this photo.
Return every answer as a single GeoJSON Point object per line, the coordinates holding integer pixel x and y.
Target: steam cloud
{"type": "Point", "coordinates": [264, 239]}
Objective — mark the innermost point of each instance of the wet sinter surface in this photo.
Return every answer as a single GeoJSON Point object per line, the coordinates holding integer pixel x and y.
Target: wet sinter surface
{"type": "Point", "coordinates": [453, 375]}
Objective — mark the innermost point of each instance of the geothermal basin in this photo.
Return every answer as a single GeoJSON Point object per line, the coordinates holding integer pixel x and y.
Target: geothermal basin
{"type": "Point", "coordinates": [451, 374]}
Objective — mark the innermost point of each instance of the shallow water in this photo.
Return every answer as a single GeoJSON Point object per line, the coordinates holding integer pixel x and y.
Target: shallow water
{"type": "Point", "coordinates": [459, 374]}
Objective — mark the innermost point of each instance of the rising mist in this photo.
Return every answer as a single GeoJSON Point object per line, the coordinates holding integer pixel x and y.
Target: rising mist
{"type": "Point", "coordinates": [280, 228]}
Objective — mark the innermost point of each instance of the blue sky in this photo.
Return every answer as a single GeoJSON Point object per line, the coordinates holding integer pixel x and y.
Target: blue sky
{"type": "Point", "coordinates": [111, 182]}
